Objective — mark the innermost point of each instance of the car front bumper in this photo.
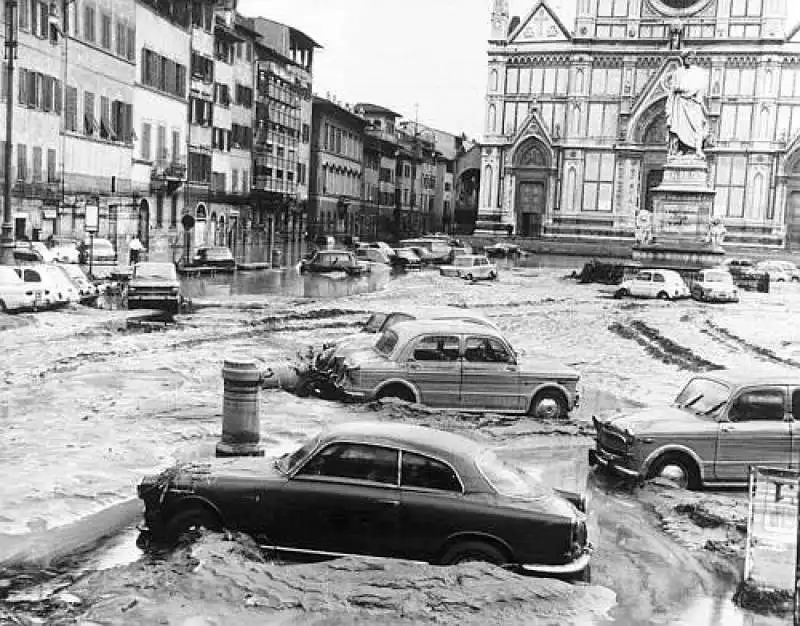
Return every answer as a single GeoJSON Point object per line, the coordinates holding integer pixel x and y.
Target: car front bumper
{"type": "Point", "coordinates": [611, 462]}
{"type": "Point", "coordinates": [575, 566]}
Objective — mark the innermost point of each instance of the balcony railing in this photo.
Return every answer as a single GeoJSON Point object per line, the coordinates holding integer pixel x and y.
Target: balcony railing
{"type": "Point", "coordinates": [169, 170]}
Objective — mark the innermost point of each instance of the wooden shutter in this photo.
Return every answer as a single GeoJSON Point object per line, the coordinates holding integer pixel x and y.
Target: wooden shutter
{"type": "Point", "coordinates": [58, 103]}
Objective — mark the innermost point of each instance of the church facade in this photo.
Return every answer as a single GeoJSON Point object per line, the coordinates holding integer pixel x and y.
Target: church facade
{"type": "Point", "coordinates": [575, 129]}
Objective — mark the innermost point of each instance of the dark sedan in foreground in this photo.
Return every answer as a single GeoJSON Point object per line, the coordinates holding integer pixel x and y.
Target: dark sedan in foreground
{"type": "Point", "coordinates": [382, 490]}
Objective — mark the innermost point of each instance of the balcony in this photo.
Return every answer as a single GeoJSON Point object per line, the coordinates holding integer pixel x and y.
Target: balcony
{"type": "Point", "coordinates": [167, 175]}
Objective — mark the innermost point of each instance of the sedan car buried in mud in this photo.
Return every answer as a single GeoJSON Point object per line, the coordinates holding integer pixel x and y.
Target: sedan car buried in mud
{"type": "Point", "coordinates": [661, 284]}
{"type": "Point", "coordinates": [720, 424]}
{"type": "Point", "coordinates": [457, 364]}
{"type": "Point", "coordinates": [380, 490]}
{"type": "Point", "coordinates": [715, 285]}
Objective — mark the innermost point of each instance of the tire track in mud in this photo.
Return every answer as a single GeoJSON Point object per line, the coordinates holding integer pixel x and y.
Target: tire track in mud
{"type": "Point", "coordinates": [271, 324]}
{"type": "Point", "coordinates": [662, 348]}
{"type": "Point", "coordinates": [735, 342]}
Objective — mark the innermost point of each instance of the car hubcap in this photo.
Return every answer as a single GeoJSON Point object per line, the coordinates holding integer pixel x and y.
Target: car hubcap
{"type": "Point", "coordinates": [676, 474]}
{"type": "Point", "coordinates": [547, 408]}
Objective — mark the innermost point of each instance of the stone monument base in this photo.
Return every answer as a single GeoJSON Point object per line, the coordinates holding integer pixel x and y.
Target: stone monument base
{"type": "Point", "coordinates": [490, 225]}
{"type": "Point", "coordinates": [679, 255]}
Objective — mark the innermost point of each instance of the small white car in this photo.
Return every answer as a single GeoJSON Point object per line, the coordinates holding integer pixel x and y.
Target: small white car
{"type": "Point", "coordinates": [779, 271]}
{"type": "Point", "coordinates": [654, 283]}
{"type": "Point", "coordinates": [470, 267]}
{"type": "Point", "coordinates": [66, 252]}
{"type": "Point", "coordinates": [58, 289]}
{"type": "Point", "coordinates": [15, 295]}
{"type": "Point", "coordinates": [87, 290]}
{"type": "Point", "coordinates": [373, 255]}
{"type": "Point", "coordinates": [715, 285]}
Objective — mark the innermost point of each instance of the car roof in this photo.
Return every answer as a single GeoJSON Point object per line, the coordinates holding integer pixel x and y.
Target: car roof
{"type": "Point", "coordinates": [420, 438]}
{"type": "Point", "coordinates": [412, 328]}
{"type": "Point", "coordinates": [764, 375]}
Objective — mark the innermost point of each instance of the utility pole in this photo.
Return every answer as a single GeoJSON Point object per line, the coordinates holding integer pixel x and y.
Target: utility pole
{"type": "Point", "coordinates": [7, 232]}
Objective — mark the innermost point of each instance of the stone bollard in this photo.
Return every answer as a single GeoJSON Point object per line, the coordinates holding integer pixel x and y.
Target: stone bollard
{"type": "Point", "coordinates": [241, 423]}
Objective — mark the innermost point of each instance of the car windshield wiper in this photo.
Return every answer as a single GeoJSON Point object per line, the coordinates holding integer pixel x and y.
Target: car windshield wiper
{"type": "Point", "coordinates": [693, 401]}
{"type": "Point", "coordinates": [714, 408]}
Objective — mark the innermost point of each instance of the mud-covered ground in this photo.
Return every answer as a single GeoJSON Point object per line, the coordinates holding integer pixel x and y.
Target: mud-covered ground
{"type": "Point", "coordinates": [91, 401]}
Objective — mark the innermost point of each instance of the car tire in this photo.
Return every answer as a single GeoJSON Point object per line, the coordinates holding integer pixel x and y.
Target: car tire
{"type": "Point", "coordinates": [187, 524]}
{"type": "Point", "coordinates": [492, 276]}
{"type": "Point", "coordinates": [397, 391]}
{"type": "Point", "coordinates": [3, 307]}
{"type": "Point", "coordinates": [548, 405]}
{"type": "Point", "coordinates": [689, 471]}
{"type": "Point", "coordinates": [663, 295]}
{"type": "Point", "coordinates": [584, 576]}
{"type": "Point", "coordinates": [473, 551]}
{"type": "Point", "coordinates": [621, 293]}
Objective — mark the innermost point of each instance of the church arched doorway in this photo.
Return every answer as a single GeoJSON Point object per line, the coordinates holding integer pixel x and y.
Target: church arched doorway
{"type": "Point", "coordinates": [532, 168]}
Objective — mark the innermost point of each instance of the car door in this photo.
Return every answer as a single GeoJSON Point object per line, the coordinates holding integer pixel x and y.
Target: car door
{"type": "Point", "coordinates": [434, 366]}
{"type": "Point", "coordinates": [490, 376]}
{"type": "Point", "coordinates": [432, 504]}
{"type": "Point", "coordinates": [345, 499]}
{"type": "Point", "coordinates": [36, 281]}
{"type": "Point", "coordinates": [641, 284]}
{"type": "Point", "coordinates": [755, 431]}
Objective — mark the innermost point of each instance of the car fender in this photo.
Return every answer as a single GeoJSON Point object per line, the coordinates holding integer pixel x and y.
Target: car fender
{"type": "Point", "coordinates": [468, 535]}
{"type": "Point", "coordinates": [398, 381]}
{"type": "Point", "coordinates": [672, 447]}
{"type": "Point", "coordinates": [188, 501]}
{"type": "Point", "coordinates": [555, 387]}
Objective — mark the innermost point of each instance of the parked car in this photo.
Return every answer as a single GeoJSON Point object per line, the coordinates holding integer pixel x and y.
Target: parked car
{"type": "Point", "coordinates": [57, 289]}
{"type": "Point", "coordinates": [154, 286]}
{"type": "Point", "coordinates": [65, 251]}
{"type": "Point", "coordinates": [87, 290]}
{"type": "Point", "coordinates": [218, 257]}
{"type": "Point", "coordinates": [502, 249]}
{"type": "Point", "coordinates": [655, 283]}
{"type": "Point", "coordinates": [740, 267]}
{"type": "Point", "coordinates": [425, 256]}
{"type": "Point", "coordinates": [32, 252]}
{"type": "Point", "coordinates": [776, 270]}
{"type": "Point", "coordinates": [719, 425]}
{"type": "Point", "coordinates": [457, 364]}
{"type": "Point", "coordinates": [383, 490]}
{"type": "Point", "coordinates": [438, 250]}
{"type": "Point", "coordinates": [380, 245]}
{"type": "Point", "coordinates": [373, 255]}
{"type": "Point", "coordinates": [101, 250]}
{"type": "Point", "coordinates": [791, 269]}
{"type": "Point", "coordinates": [15, 294]}
{"type": "Point", "coordinates": [405, 259]}
{"type": "Point", "coordinates": [470, 267]}
{"type": "Point", "coordinates": [327, 261]}
{"type": "Point", "coordinates": [714, 285]}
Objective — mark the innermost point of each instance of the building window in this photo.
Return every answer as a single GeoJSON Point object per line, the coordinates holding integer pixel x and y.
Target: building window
{"type": "Point", "coordinates": [121, 121]}
{"type": "Point", "coordinates": [740, 81]}
{"type": "Point", "coordinates": [735, 122]}
{"type": "Point", "coordinates": [89, 122]}
{"type": "Point", "coordinates": [176, 146]}
{"type": "Point", "coordinates": [244, 96]}
{"type": "Point", "coordinates": [71, 109]}
{"type": "Point", "coordinates": [731, 183]}
{"type": "Point", "coordinates": [89, 23]}
{"type": "Point", "coordinates": [130, 44]}
{"type": "Point", "coordinates": [22, 162]}
{"type": "Point", "coordinates": [161, 144]}
{"type": "Point", "coordinates": [603, 120]}
{"type": "Point", "coordinates": [199, 169]}
{"type": "Point", "coordinates": [606, 81]}
{"type": "Point", "coordinates": [222, 95]}
{"type": "Point", "coordinates": [746, 8]}
{"type": "Point", "coordinates": [218, 182]}
{"type": "Point", "coordinates": [202, 112]}
{"type": "Point", "coordinates": [105, 33]}
{"type": "Point", "coordinates": [202, 68]}
{"type": "Point", "coordinates": [52, 176]}
{"type": "Point", "coordinates": [160, 210]}
{"type": "Point", "coordinates": [37, 164]}
{"type": "Point", "coordinates": [163, 74]}
{"type": "Point", "coordinates": [120, 39]}
{"type": "Point", "coordinates": [598, 182]}
{"type": "Point", "coordinates": [24, 15]}
{"type": "Point", "coordinates": [145, 141]}
{"type": "Point", "coordinates": [612, 8]}
{"type": "Point", "coordinates": [173, 211]}
{"type": "Point", "coordinates": [306, 133]}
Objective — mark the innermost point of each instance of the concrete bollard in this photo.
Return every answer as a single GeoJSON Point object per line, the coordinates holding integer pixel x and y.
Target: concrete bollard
{"type": "Point", "coordinates": [241, 423]}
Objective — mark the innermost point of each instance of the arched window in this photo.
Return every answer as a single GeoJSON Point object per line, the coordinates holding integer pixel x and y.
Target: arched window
{"type": "Point", "coordinates": [579, 81]}
{"type": "Point", "coordinates": [571, 188]}
{"type": "Point", "coordinates": [488, 179]}
{"type": "Point", "coordinates": [756, 201]}
{"type": "Point", "coordinates": [576, 120]}
{"type": "Point", "coordinates": [492, 122]}
{"type": "Point", "coordinates": [200, 212]}
{"type": "Point", "coordinates": [493, 77]}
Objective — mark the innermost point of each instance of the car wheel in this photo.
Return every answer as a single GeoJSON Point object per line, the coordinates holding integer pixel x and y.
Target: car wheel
{"type": "Point", "coordinates": [474, 551]}
{"type": "Point", "coordinates": [397, 391]}
{"type": "Point", "coordinates": [677, 468]}
{"type": "Point", "coordinates": [548, 405]}
{"type": "Point", "coordinates": [469, 277]}
{"type": "Point", "coordinates": [492, 275]}
{"type": "Point", "coordinates": [3, 307]}
{"type": "Point", "coordinates": [796, 279]}
{"type": "Point", "coordinates": [187, 524]}
{"type": "Point", "coordinates": [663, 295]}
{"type": "Point", "coordinates": [621, 293]}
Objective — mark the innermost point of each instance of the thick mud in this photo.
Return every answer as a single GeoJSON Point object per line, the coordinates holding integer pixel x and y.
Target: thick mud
{"type": "Point", "coordinates": [90, 403]}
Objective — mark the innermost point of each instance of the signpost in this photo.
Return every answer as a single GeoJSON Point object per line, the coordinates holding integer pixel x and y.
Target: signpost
{"type": "Point", "coordinates": [91, 226]}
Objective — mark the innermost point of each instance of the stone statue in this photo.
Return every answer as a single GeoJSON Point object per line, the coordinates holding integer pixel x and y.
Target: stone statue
{"type": "Point", "coordinates": [716, 233]}
{"type": "Point", "coordinates": [644, 227]}
{"type": "Point", "coordinates": [687, 115]}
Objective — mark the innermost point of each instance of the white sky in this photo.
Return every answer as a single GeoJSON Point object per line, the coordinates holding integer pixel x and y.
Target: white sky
{"type": "Point", "coordinates": [430, 53]}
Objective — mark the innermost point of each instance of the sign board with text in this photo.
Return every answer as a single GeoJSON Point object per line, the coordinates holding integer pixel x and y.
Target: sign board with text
{"type": "Point", "coordinates": [92, 218]}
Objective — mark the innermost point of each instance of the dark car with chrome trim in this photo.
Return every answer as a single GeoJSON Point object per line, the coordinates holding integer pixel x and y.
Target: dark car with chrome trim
{"type": "Point", "coordinates": [380, 490]}
{"type": "Point", "coordinates": [154, 286]}
{"type": "Point", "coordinates": [719, 425]}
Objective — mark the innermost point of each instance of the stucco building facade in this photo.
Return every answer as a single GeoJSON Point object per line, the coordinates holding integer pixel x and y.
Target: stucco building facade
{"type": "Point", "coordinates": [575, 136]}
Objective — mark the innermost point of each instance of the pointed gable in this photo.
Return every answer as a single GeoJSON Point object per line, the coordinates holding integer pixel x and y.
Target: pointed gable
{"type": "Point", "coordinates": [541, 24]}
{"type": "Point", "coordinates": [533, 126]}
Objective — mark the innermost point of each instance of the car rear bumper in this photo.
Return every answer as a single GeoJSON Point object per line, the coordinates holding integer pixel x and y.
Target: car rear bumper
{"type": "Point", "coordinates": [152, 302]}
{"type": "Point", "coordinates": [611, 462]}
{"type": "Point", "coordinates": [573, 567]}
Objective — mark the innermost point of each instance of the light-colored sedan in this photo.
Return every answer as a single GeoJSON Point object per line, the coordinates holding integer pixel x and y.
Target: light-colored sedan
{"type": "Point", "coordinates": [719, 425]}
{"type": "Point", "coordinates": [57, 287]}
{"type": "Point", "coordinates": [778, 271]}
{"type": "Point", "coordinates": [470, 267]}
{"type": "Point", "coordinates": [715, 285]}
{"type": "Point", "coordinates": [15, 295]}
{"type": "Point", "coordinates": [654, 283]}
{"type": "Point", "coordinates": [454, 364]}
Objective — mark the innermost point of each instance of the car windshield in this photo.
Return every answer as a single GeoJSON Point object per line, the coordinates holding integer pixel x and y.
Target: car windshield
{"type": "Point", "coordinates": [289, 461]}
{"type": "Point", "coordinates": [160, 271]}
{"type": "Point", "coordinates": [462, 261]}
{"type": "Point", "coordinates": [394, 318]}
{"type": "Point", "coordinates": [386, 343]}
{"type": "Point", "coordinates": [102, 244]}
{"type": "Point", "coordinates": [9, 276]}
{"type": "Point", "coordinates": [703, 396]}
{"type": "Point", "coordinates": [717, 277]}
{"type": "Point", "coordinates": [375, 322]}
{"type": "Point", "coordinates": [334, 259]}
{"type": "Point", "coordinates": [508, 480]}
{"type": "Point", "coordinates": [406, 254]}
{"type": "Point", "coordinates": [219, 254]}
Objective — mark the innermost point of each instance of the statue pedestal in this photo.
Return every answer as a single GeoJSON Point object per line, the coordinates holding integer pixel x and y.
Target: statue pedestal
{"type": "Point", "coordinates": [681, 221]}
{"type": "Point", "coordinates": [490, 224]}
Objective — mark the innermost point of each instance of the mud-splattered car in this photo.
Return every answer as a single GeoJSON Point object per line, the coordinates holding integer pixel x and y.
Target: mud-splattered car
{"type": "Point", "coordinates": [720, 424]}
{"type": "Point", "coordinates": [457, 364]}
{"type": "Point", "coordinates": [382, 490]}
{"type": "Point", "coordinates": [715, 285]}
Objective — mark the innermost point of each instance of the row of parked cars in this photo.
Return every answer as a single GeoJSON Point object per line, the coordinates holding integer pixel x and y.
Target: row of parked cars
{"type": "Point", "coordinates": [37, 286]}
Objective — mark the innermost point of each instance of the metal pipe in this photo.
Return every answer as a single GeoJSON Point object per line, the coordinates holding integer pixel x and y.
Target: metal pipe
{"type": "Point", "coordinates": [7, 231]}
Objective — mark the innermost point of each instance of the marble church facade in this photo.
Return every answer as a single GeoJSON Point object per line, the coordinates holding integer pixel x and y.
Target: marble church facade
{"type": "Point", "coordinates": [575, 127]}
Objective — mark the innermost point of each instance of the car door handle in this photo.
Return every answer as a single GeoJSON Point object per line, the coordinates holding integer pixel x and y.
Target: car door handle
{"type": "Point", "coordinates": [389, 504]}
{"type": "Point", "coordinates": [413, 366]}
{"type": "Point", "coordinates": [726, 429]}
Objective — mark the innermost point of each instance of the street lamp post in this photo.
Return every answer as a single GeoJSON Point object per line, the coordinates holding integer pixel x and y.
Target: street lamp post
{"type": "Point", "coordinates": [7, 232]}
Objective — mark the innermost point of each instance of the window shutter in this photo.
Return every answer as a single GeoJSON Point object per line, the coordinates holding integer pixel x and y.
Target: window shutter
{"type": "Point", "coordinates": [146, 141]}
{"type": "Point", "coordinates": [130, 42]}
{"type": "Point", "coordinates": [58, 104]}
{"type": "Point", "coordinates": [128, 136]}
{"type": "Point", "coordinates": [162, 143]}
{"type": "Point", "coordinates": [23, 86]}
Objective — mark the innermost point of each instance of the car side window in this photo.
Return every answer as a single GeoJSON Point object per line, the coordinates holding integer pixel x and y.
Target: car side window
{"type": "Point", "coordinates": [486, 350]}
{"type": "Point", "coordinates": [437, 348]}
{"type": "Point", "coordinates": [354, 461]}
{"type": "Point", "coordinates": [32, 276]}
{"type": "Point", "coordinates": [643, 276]}
{"type": "Point", "coordinates": [426, 473]}
{"type": "Point", "coordinates": [758, 404]}
{"type": "Point", "coordinates": [659, 278]}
